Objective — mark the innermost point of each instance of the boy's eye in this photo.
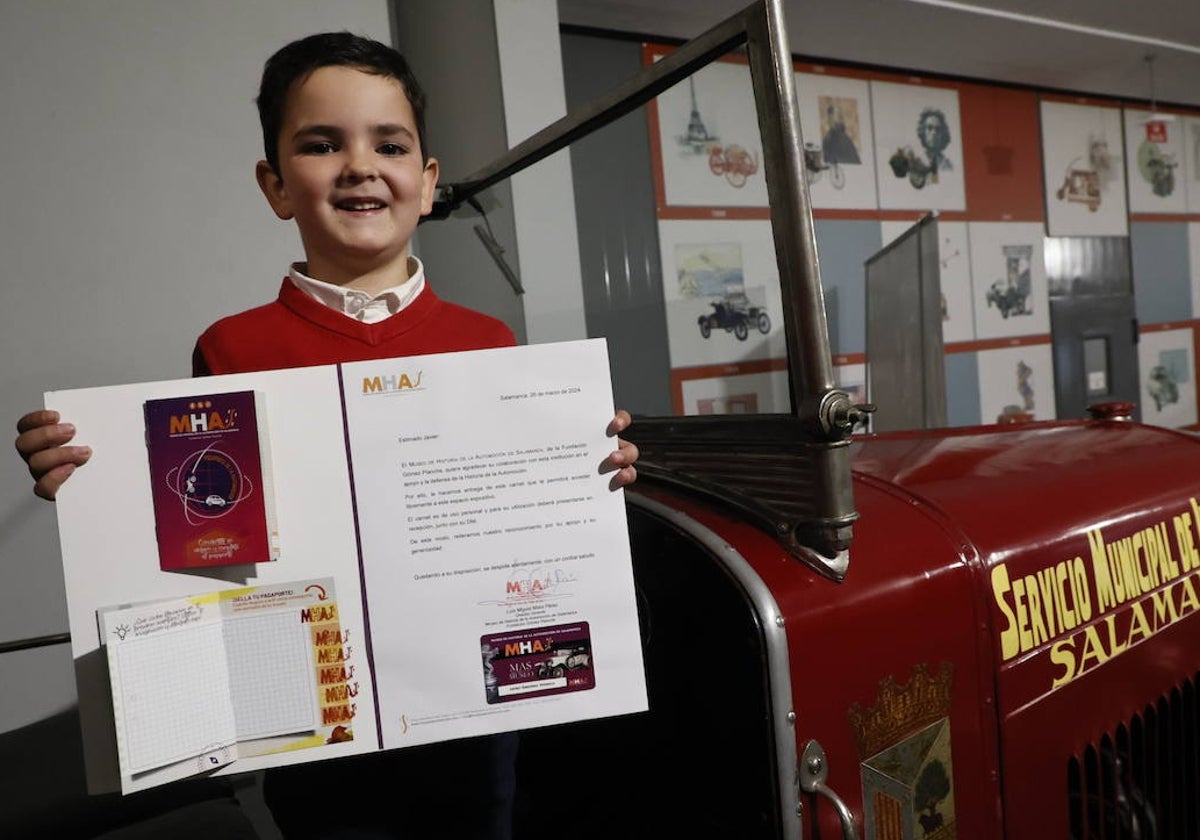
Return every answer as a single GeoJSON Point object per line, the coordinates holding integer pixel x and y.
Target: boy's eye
{"type": "Point", "coordinates": [320, 147]}
{"type": "Point", "coordinates": [392, 149]}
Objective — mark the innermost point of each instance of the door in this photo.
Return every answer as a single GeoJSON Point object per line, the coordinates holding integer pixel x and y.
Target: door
{"type": "Point", "coordinates": [1095, 352]}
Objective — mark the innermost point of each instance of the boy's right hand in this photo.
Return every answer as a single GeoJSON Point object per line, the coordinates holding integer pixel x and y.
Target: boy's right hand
{"type": "Point", "coordinates": [41, 440]}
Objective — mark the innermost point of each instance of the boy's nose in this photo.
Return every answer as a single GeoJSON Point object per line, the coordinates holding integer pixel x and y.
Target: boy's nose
{"type": "Point", "coordinates": [359, 169]}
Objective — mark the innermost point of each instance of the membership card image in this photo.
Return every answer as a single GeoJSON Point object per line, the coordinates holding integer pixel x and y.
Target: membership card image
{"type": "Point", "coordinates": [534, 663]}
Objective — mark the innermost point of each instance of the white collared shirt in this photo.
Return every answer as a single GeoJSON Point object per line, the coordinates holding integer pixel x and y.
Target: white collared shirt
{"type": "Point", "coordinates": [357, 304]}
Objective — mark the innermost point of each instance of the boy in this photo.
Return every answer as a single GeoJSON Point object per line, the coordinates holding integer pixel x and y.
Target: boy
{"type": "Point", "coordinates": [343, 132]}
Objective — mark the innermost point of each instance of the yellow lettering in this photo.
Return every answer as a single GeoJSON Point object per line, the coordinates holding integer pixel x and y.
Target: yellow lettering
{"type": "Point", "coordinates": [1051, 599]}
{"type": "Point", "coordinates": [1105, 589]}
{"type": "Point", "coordinates": [1062, 653]}
{"type": "Point", "coordinates": [1189, 602]}
{"type": "Point", "coordinates": [1093, 648]}
{"type": "Point", "coordinates": [1114, 647]}
{"type": "Point", "coordinates": [1023, 633]}
{"type": "Point", "coordinates": [1035, 611]}
{"type": "Point", "coordinates": [1168, 567]}
{"type": "Point", "coordinates": [1195, 512]}
{"type": "Point", "coordinates": [1186, 543]}
{"type": "Point", "coordinates": [1066, 616]}
{"type": "Point", "coordinates": [1009, 642]}
{"type": "Point", "coordinates": [1080, 592]}
{"type": "Point", "coordinates": [1139, 627]}
{"type": "Point", "coordinates": [1126, 579]}
{"type": "Point", "coordinates": [1164, 608]}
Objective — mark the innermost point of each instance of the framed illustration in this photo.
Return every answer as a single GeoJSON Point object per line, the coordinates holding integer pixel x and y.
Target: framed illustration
{"type": "Point", "coordinates": [839, 143]}
{"type": "Point", "coordinates": [1190, 138]}
{"type": "Point", "coordinates": [710, 150]}
{"type": "Point", "coordinates": [1016, 384]}
{"type": "Point", "coordinates": [1082, 152]}
{"type": "Point", "coordinates": [721, 291]}
{"type": "Point", "coordinates": [1166, 365]}
{"type": "Point", "coordinates": [918, 147]}
{"type": "Point", "coordinates": [1008, 271]}
{"type": "Point", "coordinates": [1154, 158]}
{"type": "Point", "coordinates": [954, 264]}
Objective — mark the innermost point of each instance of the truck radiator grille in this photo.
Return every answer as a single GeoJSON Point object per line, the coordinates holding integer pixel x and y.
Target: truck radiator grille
{"type": "Point", "coordinates": [1141, 781]}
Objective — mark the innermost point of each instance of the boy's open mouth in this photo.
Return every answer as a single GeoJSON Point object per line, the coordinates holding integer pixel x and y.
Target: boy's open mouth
{"type": "Point", "coordinates": [359, 204]}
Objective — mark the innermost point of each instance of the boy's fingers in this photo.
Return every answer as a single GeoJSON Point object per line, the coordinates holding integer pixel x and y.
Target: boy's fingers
{"type": "Point", "coordinates": [47, 486]}
{"type": "Point", "coordinates": [625, 455]}
{"type": "Point", "coordinates": [39, 438]}
{"type": "Point", "coordinates": [49, 463]}
{"type": "Point", "coordinates": [620, 422]}
{"type": "Point", "coordinates": [34, 419]}
{"type": "Point", "coordinates": [622, 478]}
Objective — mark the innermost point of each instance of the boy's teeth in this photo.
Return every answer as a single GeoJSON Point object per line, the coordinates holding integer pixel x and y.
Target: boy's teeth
{"type": "Point", "coordinates": [365, 204]}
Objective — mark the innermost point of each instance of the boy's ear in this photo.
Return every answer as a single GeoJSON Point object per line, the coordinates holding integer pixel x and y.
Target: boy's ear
{"type": "Point", "coordinates": [273, 189]}
{"type": "Point", "coordinates": [429, 179]}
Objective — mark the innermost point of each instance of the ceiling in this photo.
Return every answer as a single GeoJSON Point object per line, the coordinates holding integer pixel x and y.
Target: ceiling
{"type": "Point", "coordinates": [1097, 47]}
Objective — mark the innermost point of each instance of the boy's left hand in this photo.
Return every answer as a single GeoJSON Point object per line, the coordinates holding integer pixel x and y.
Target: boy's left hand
{"type": "Point", "coordinates": [622, 459]}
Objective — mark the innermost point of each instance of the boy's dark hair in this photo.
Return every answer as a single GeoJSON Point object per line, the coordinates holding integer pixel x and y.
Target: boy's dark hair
{"type": "Point", "coordinates": [298, 59]}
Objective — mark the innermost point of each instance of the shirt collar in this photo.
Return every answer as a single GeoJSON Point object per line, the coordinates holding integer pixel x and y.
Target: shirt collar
{"type": "Point", "coordinates": [359, 305]}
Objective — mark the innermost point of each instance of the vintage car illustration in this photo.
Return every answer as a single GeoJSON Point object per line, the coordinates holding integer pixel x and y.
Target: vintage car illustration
{"type": "Point", "coordinates": [563, 660]}
{"type": "Point", "coordinates": [734, 313]}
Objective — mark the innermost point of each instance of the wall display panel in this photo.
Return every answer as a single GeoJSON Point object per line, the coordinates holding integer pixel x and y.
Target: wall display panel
{"type": "Point", "coordinates": [1082, 152]}
{"type": "Point", "coordinates": [1160, 260]}
{"type": "Point", "coordinates": [918, 147]}
{"type": "Point", "coordinates": [1016, 383]}
{"type": "Point", "coordinates": [721, 292]}
{"type": "Point", "coordinates": [954, 265]}
{"type": "Point", "coordinates": [839, 142]}
{"type": "Point", "coordinates": [1002, 153]}
{"type": "Point", "coordinates": [1008, 271]}
{"type": "Point", "coordinates": [711, 153]}
{"type": "Point", "coordinates": [1166, 365]}
{"type": "Point", "coordinates": [1191, 162]}
{"type": "Point", "coordinates": [1154, 157]}
{"type": "Point", "coordinates": [751, 393]}
{"type": "Point", "coordinates": [1193, 235]}
{"type": "Point", "coordinates": [962, 389]}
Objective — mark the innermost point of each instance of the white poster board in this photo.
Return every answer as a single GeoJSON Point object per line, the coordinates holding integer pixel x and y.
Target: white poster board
{"type": "Point", "coordinates": [532, 558]}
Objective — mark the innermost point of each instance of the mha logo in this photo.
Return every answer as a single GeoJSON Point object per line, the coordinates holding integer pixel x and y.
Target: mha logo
{"type": "Point", "coordinates": [390, 384]}
{"type": "Point", "coordinates": [202, 419]}
{"type": "Point", "coordinates": [525, 648]}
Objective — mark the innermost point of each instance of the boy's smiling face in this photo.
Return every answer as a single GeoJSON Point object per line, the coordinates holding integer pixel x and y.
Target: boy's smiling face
{"type": "Point", "coordinates": [351, 174]}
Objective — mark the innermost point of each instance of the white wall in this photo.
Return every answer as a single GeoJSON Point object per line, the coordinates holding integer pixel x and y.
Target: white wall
{"type": "Point", "coordinates": [130, 221]}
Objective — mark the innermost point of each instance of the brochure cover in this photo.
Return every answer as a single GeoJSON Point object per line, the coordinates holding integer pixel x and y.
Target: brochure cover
{"type": "Point", "coordinates": [210, 479]}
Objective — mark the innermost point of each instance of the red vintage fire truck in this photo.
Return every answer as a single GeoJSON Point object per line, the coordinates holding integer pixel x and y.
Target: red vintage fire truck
{"type": "Point", "coordinates": [975, 633]}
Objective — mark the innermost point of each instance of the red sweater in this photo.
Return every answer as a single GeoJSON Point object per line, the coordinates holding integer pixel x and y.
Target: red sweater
{"type": "Point", "coordinates": [296, 330]}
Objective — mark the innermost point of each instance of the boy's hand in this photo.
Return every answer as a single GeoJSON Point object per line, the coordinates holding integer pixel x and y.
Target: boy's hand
{"type": "Point", "coordinates": [42, 440]}
{"type": "Point", "coordinates": [622, 459]}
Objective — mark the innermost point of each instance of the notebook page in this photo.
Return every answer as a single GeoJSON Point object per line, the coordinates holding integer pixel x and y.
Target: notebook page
{"type": "Point", "coordinates": [170, 684]}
